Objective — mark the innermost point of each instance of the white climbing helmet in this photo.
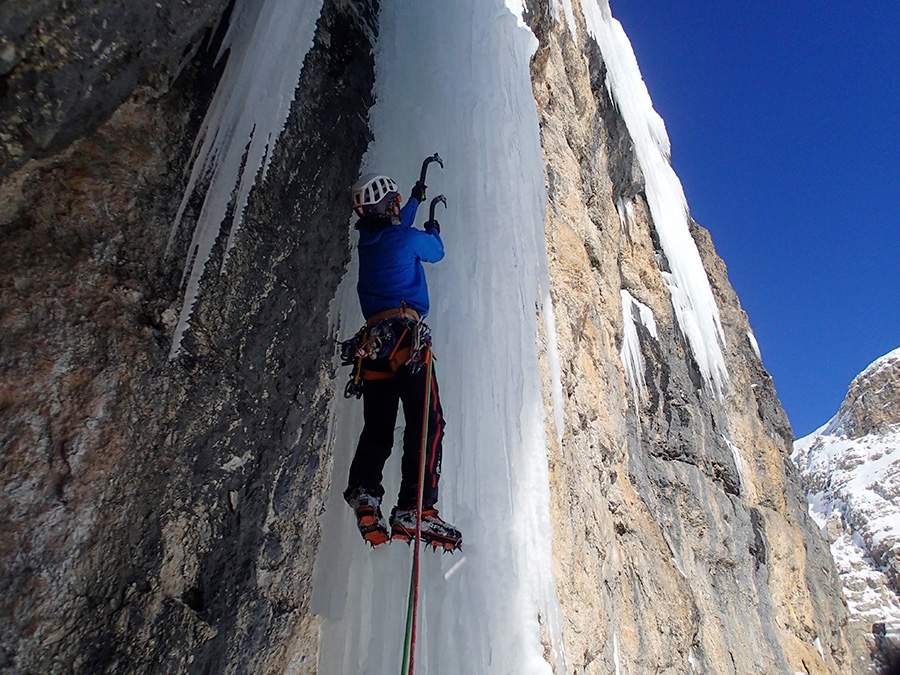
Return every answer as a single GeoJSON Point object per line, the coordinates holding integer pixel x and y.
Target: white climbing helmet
{"type": "Point", "coordinates": [373, 193]}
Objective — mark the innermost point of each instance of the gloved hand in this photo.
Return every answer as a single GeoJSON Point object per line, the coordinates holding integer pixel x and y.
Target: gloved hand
{"type": "Point", "coordinates": [418, 192]}
{"type": "Point", "coordinates": [433, 225]}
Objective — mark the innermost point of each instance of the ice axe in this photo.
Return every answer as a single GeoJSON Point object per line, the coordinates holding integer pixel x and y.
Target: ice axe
{"type": "Point", "coordinates": [432, 223]}
{"type": "Point", "coordinates": [428, 160]}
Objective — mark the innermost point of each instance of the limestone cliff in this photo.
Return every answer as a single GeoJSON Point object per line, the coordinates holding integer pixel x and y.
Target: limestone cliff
{"type": "Point", "coordinates": [66, 66]}
{"type": "Point", "coordinates": [160, 515]}
{"type": "Point", "coordinates": [872, 404]}
{"type": "Point", "coordinates": [676, 511]}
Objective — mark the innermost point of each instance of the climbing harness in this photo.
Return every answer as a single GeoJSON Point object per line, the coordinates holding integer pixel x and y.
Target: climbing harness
{"type": "Point", "coordinates": [381, 341]}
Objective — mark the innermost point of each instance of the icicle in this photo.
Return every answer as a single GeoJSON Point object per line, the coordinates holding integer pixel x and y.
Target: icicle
{"type": "Point", "coordinates": [266, 45]}
{"type": "Point", "coordinates": [738, 463]}
{"type": "Point", "coordinates": [568, 11]}
{"type": "Point", "coordinates": [692, 297]}
{"type": "Point", "coordinates": [631, 355]}
{"type": "Point", "coordinates": [454, 77]}
{"type": "Point", "coordinates": [754, 345]}
{"type": "Point", "coordinates": [625, 209]}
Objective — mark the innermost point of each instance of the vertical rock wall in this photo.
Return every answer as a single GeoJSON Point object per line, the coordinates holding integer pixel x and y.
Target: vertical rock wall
{"type": "Point", "coordinates": [851, 473]}
{"type": "Point", "coordinates": [160, 516]}
{"type": "Point", "coordinates": [681, 536]}
{"type": "Point", "coordinates": [65, 67]}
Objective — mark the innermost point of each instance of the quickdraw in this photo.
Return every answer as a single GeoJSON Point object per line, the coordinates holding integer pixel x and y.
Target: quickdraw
{"type": "Point", "coordinates": [354, 386]}
{"type": "Point", "coordinates": [421, 344]}
{"type": "Point", "coordinates": [365, 344]}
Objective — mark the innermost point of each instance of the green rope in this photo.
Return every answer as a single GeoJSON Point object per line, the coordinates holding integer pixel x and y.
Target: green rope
{"type": "Point", "coordinates": [409, 644]}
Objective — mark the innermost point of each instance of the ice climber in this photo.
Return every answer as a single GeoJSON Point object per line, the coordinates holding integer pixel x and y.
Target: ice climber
{"type": "Point", "coordinates": [390, 352]}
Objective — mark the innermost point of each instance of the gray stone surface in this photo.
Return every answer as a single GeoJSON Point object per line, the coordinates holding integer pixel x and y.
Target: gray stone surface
{"type": "Point", "coordinates": [850, 469]}
{"type": "Point", "coordinates": [157, 516]}
{"type": "Point", "coordinates": [872, 404]}
{"type": "Point", "coordinates": [66, 66]}
{"type": "Point", "coordinates": [681, 536]}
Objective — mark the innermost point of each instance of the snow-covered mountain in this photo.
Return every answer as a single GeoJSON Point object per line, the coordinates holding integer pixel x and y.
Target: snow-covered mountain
{"type": "Point", "coordinates": [851, 471]}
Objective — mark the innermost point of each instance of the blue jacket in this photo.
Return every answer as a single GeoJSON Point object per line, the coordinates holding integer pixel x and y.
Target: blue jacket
{"type": "Point", "coordinates": [390, 264]}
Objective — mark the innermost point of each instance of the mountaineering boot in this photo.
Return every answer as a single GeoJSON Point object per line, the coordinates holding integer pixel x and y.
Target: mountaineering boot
{"type": "Point", "coordinates": [368, 516]}
{"type": "Point", "coordinates": [435, 532]}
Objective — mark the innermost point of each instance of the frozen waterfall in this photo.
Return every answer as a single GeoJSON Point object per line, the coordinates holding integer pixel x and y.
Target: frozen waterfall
{"type": "Point", "coordinates": [453, 78]}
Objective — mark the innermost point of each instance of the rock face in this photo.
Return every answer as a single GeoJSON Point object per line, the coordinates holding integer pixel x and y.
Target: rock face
{"type": "Point", "coordinates": [851, 471]}
{"type": "Point", "coordinates": [161, 516]}
{"type": "Point", "coordinates": [872, 405]}
{"type": "Point", "coordinates": [156, 515]}
{"type": "Point", "coordinates": [66, 66]}
{"type": "Point", "coordinates": [678, 514]}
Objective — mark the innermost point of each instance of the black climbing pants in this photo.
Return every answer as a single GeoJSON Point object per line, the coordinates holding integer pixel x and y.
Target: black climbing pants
{"type": "Point", "coordinates": [381, 400]}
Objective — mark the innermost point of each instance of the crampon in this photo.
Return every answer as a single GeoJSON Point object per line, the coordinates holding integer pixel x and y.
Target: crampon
{"type": "Point", "coordinates": [373, 531]}
{"type": "Point", "coordinates": [435, 532]}
{"type": "Point", "coordinates": [368, 517]}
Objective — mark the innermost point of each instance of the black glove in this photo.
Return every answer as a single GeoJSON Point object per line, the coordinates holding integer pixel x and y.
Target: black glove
{"type": "Point", "coordinates": [433, 225]}
{"type": "Point", "coordinates": [418, 192]}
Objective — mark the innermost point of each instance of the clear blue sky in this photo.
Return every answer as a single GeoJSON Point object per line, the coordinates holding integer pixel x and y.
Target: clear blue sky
{"type": "Point", "coordinates": [784, 119]}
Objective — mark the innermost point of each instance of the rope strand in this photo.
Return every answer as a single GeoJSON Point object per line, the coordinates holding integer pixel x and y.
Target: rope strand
{"type": "Point", "coordinates": [412, 610]}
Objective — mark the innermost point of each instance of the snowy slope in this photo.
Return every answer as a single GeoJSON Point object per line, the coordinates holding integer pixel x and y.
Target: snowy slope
{"type": "Point", "coordinates": [853, 483]}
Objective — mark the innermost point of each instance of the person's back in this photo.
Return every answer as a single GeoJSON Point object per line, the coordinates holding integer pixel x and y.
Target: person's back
{"type": "Point", "coordinates": [390, 262]}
